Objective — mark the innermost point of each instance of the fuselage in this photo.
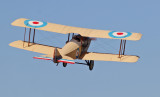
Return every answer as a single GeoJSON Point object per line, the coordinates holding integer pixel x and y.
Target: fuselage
{"type": "Point", "coordinates": [76, 47]}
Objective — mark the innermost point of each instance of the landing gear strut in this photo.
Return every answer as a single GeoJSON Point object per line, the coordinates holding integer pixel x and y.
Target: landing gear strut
{"type": "Point", "coordinates": [90, 63]}
{"type": "Point", "coordinates": [64, 64]}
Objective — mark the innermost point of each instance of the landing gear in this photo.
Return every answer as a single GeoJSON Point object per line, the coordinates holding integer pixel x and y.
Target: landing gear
{"type": "Point", "coordinates": [64, 64]}
{"type": "Point", "coordinates": [90, 63]}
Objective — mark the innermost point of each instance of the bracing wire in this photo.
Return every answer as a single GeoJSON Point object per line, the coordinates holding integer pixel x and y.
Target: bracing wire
{"type": "Point", "coordinates": [104, 46]}
{"type": "Point", "coordinates": [99, 45]}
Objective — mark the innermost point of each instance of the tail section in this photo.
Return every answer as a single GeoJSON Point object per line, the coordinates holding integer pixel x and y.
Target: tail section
{"type": "Point", "coordinates": [43, 58]}
{"type": "Point", "coordinates": [66, 61]}
{"type": "Point", "coordinates": [56, 57]}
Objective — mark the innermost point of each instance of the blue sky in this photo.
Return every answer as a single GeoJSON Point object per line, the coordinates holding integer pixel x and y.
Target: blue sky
{"type": "Point", "coordinates": [22, 76]}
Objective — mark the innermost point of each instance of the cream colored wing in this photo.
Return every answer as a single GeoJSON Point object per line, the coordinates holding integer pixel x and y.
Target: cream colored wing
{"type": "Point", "coordinates": [109, 57]}
{"type": "Point", "coordinates": [52, 27]}
{"type": "Point", "coordinates": [39, 48]}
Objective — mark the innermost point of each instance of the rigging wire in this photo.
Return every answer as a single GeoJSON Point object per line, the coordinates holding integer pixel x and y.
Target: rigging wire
{"type": "Point", "coordinates": [100, 45]}
{"type": "Point", "coordinates": [45, 37]}
{"type": "Point", "coordinates": [49, 37]}
{"type": "Point", "coordinates": [104, 46]}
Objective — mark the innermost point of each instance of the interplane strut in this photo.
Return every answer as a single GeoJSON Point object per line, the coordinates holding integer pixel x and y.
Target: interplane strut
{"type": "Point", "coordinates": [29, 36]}
{"type": "Point", "coordinates": [122, 48]}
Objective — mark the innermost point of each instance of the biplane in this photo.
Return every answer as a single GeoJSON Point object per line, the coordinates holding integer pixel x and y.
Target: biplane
{"type": "Point", "coordinates": [77, 46]}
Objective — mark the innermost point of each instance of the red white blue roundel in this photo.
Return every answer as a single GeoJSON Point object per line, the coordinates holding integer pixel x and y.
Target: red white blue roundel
{"type": "Point", "coordinates": [115, 34]}
{"type": "Point", "coordinates": [34, 23]}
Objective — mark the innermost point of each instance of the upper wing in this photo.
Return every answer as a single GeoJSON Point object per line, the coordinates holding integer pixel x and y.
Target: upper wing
{"type": "Point", "coordinates": [109, 57]}
{"type": "Point", "coordinates": [52, 27]}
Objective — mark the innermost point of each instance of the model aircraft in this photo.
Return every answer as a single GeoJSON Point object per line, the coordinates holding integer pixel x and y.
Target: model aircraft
{"type": "Point", "coordinates": [77, 46]}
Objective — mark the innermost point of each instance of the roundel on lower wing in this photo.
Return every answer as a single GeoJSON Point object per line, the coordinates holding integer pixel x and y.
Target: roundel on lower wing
{"type": "Point", "coordinates": [115, 34]}
{"type": "Point", "coordinates": [34, 23]}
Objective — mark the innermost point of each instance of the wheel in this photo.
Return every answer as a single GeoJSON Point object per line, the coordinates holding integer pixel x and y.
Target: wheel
{"type": "Point", "coordinates": [91, 65]}
{"type": "Point", "coordinates": [64, 64]}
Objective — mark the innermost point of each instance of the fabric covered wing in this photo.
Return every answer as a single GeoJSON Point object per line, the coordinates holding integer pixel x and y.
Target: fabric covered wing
{"type": "Point", "coordinates": [109, 57]}
{"type": "Point", "coordinates": [52, 27]}
{"type": "Point", "coordinates": [39, 48]}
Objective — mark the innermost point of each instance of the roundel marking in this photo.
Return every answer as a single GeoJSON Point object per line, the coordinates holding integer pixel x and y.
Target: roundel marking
{"type": "Point", "coordinates": [34, 23]}
{"type": "Point", "coordinates": [115, 34]}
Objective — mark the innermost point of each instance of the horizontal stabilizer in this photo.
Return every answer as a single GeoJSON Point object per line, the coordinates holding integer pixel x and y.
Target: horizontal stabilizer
{"type": "Point", "coordinates": [43, 58]}
{"type": "Point", "coordinates": [66, 61]}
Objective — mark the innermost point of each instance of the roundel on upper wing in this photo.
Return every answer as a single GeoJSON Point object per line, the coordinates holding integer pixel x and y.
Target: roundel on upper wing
{"type": "Point", "coordinates": [115, 34]}
{"type": "Point", "coordinates": [34, 23]}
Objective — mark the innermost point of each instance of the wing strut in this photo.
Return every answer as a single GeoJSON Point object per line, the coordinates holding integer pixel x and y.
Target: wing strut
{"type": "Point", "coordinates": [24, 36]}
{"type": "Point", "coordinates": [34, 34]}
{"type": "Point", "coordinates": [29, 36]}
{"type": "Point", "coordinates": [69, 37]}
{"type": "Point", "coordinates": [72, 35]}
{"type": "Point", "coordinates": [122, 48]}
{"type": "Point", "coordinates": [29, 40]}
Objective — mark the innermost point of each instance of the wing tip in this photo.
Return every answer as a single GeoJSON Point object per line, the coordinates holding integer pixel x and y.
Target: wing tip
{"type": "Point", "coordinates": [139, 36]}
{"type": "Point", "coordinates": [14, 23]}
{"type": "Point", "coordinates": [134, 37]}
{"type": "Point", "coordinates": [12, 44]}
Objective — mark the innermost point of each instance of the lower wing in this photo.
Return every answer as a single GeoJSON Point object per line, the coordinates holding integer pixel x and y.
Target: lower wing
{"type": "Point", "coordinates": [49, 51]}
{"type": "Point", "coordinates": [109, 57]}
{"type": "Point", "coordinates": [34, 47]}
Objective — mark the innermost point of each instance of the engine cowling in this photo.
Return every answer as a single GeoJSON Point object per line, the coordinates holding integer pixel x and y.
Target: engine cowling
{"type": "Point", "coordinates": [70, 47]}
